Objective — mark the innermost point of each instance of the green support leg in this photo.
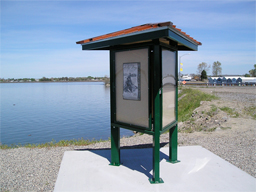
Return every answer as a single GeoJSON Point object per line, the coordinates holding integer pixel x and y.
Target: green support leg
{"type": "Point", "coordinates": [115, 146]}
{"type": "Point", "coordinates": [157, 113]}
{"type": "Point", "coordinates": [173, 145]}
{"type": "Point", "coordinates": [156, 159]}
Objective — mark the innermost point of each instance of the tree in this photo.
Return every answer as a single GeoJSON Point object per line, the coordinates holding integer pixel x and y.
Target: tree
{"type": "Point", "coordinates": [203, 75]}
{"type": "Point", "coordinates": [196, 77]}
{"type": "Point", "coordinates": [216, 68]}
{"type": "Point", "coordinates": [203, 66]}
{"type": "Point", "coordinates": [44, 79]}
{"type": "Point", "coordinates": [247, 75]}
{"type": "Point", "coordinates": [192, 75]}
{"type": "Point", "coordinates": [253, 71]}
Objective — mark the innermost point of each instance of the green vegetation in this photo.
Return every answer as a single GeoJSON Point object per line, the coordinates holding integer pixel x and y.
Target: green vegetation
{"type": "Point", "coordinates": [216, 68]}
{"type": "Point", "coordinates": [253, 71]}
{"type": "Point", "coordinates": [187, 130]}
{"type": "Point", "coordinates": [20, 80]}
{"type": "Point", "coordinates": [202, 67]}
{"type": "Point", "coordinates": [230, 111]}
{"type": "Point", "coordinates": [225, 128]}
{"type": "Point", "coordinates": [53, 143]}
{"type": "Point", "coordinates": [213, 111]}
{"type": "Point", "coordinates": [203, 75]}
{"type": "Point", "coordinates": [212, 129]}
{"type": "Point", "coordinates": [54, 79]}
{"type": "Point", "coordinates": [190, 102]}
{"type": "Point", "coordinates": [251, 111]}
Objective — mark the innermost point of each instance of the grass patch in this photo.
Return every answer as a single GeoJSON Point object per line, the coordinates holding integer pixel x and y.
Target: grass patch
{"type": "Point", "coordinates": [230, 111]}
{"type": "Point", "coordinates": [225, 128]}
{"type": "Point", "coordinates": [212, 129]}
{"type": "Point", "coordinates": [213, 111]}
{"type": "Point", "coordinates": [198, 129]}
{"type": "Point", "coordinates": [251, 111]}
{"type": "Point", "coordinates": [53, 143]}
{"type": "Point", "coordinates": [190, 102]}
{"type": "Point", "coordinates": [186, 130]}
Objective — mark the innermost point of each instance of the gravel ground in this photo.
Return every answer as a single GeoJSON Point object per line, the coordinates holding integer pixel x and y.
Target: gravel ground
{"type": "Point", "coordinates": [24, 169]}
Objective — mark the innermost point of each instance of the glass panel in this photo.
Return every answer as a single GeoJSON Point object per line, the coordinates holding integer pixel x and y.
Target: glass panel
{"type": "Point", "coordinates": [169, 89]}
{"type": "Point", "coordinates": [132, 87]}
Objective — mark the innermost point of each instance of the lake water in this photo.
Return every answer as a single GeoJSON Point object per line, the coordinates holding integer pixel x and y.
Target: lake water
{"type": "Point", "coordinates": [40, 112]}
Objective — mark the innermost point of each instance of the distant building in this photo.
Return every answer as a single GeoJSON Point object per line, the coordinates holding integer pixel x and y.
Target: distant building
{"type": "Point", "coordinates": [185, 78]}
{"type": "Point", "coordinates": [227, 79]}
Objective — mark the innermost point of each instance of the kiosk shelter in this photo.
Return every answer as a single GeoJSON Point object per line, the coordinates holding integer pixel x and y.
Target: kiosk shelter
{"type": "Point", "coordinates": [144, 83]}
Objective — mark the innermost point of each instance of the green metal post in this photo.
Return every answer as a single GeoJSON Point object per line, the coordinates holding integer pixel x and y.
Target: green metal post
{"type": "Point", "coordinates": [173, 132]}
{"type": "Point", "coordinates": [157, 116]}
{"type": "Point", "coordinates": [156, 157]}
{"type": "Point", "coordinates": [115, 146]}
{"type": "Point", "coordinates": [115, 131]}
{"type": "Point", "coordinates": [173, 145]}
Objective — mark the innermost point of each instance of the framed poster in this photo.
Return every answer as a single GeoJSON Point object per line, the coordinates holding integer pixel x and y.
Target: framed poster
{"type": "Point", "coordinates": [131, 81]}
{"type": "Point", "coordinates": [128, 109]}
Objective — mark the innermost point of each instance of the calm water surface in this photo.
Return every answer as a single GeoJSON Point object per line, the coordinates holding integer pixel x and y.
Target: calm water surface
{"type": "Point", "coordinates": [40, 112]}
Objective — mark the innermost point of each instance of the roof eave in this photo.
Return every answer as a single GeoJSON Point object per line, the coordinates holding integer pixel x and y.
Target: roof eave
{"type": "Point", "coordinates": [105, 44]}
{"type": "Point", "coordinates": [155, 33]}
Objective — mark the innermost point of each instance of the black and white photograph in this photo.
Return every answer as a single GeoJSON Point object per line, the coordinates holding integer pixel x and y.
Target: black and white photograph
{"type": "Point", "coordinates": [131, 74]}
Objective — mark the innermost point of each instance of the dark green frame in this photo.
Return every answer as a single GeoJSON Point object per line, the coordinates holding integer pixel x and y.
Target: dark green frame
{"type": "Point", "coordinates": [173, 123]}
{"type": "Point", "coordinates": [114, 122]}
{"type": "Point", "coordinates": [155, 94]}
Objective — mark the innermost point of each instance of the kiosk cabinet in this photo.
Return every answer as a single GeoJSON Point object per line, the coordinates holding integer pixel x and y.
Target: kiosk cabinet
{"type": "Point", "coordinates": [144, 83]}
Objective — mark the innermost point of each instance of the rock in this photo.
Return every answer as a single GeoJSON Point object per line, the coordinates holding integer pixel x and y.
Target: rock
{"type": "Point", "coordinates": [224, 118]}
{"type": "Point", "coordinates": [218, 129]}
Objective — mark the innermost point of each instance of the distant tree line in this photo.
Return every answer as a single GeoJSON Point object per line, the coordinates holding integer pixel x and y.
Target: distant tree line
{"type": "Point", "coordinates": [13, 80]}
{"type": "Point", "coordinates": [203, 69]}
{"type": "Point", "coordinates": [55, 79]}
{"type": "Point", "coordinates": [89, 78]}
{"type": "Point", "coordinates": [252, 72]}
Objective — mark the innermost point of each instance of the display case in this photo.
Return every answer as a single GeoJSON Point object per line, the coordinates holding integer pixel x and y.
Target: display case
{"type": "Point", "coordinates": [144, 83]}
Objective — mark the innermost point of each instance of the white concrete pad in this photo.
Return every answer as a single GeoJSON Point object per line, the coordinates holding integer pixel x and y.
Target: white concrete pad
{"type": "Point", "coordinates": [198, 170]}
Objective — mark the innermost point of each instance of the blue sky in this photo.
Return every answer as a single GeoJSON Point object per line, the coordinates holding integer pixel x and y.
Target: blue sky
{"type": "Point", "coordinates": [38, 38]}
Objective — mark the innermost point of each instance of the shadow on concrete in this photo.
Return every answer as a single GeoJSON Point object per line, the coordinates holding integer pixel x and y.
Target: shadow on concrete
{"type": "Point", "coordinates": [140, 160]}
